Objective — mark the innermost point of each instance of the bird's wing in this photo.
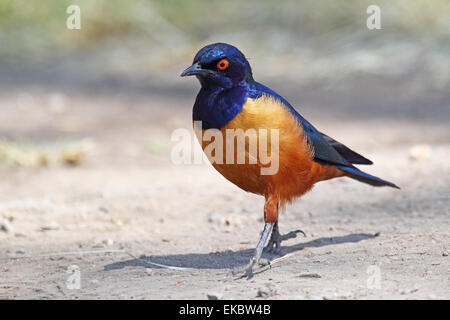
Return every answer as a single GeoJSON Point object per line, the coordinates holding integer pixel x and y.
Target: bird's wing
{"type": "Point", "coordinates": [326, 149]}
{"type": "Point", "coordinates": [346, 152]}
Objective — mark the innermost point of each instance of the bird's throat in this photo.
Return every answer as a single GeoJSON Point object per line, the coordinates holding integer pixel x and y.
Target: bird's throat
{"type": "Point", "coordinates": [215, 107]}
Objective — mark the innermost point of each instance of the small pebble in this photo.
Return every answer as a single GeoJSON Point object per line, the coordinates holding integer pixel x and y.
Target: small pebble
{"type": "Point", "coordinates": [104, 209]}
{"type": "Point", "coordinates": [216, 217]}
{"type": "Point", "coordinates": [51, 226]}
{"type": "Point", "coordinates": [109, 242]}
{"type": "Point", "coordinates": [420, 152]}
{"type": "Point", "coordinates": [262, 293]}
{"type": "Point", "coordinates": [310, 275]}
{"type": "Point", "coordinates": [269, 290]}
{"type": "Point", "coordinates": [6, 226]}
{"type": "Point", "coordinates": [214, 296]}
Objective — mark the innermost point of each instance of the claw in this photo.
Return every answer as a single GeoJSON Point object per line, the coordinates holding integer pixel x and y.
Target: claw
{"type": "Point", "coordinates": [292, 234]}
{"type": "Point", "coordinates": [256, 259]}
{"type": "Point", "coordinates": [276, 238]}
{"type": "Point", "coordinates": [275, 241]}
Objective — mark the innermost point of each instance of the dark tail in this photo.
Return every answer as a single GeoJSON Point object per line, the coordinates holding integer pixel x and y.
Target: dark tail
{"type": "Point", "coordinates": [357, 174]}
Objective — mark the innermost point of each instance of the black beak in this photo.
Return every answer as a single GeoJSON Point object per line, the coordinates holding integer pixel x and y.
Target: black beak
{"type": "Point", "coordinates": [193, 70]}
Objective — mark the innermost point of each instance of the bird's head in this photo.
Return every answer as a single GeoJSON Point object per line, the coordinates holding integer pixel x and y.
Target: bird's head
{"type": "Point", "coordinates": [220, 65]}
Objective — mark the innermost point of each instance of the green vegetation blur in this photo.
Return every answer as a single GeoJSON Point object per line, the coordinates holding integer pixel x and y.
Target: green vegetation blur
{"type": "Point", "coordinates": [37, 28]}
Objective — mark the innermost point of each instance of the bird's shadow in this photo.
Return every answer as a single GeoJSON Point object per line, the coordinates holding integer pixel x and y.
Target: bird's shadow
{"type": "Point", "coordinates": [228, 259]}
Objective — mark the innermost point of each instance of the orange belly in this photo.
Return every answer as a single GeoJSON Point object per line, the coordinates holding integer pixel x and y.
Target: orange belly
{"type": "Point", "coordinates": [297, 172]}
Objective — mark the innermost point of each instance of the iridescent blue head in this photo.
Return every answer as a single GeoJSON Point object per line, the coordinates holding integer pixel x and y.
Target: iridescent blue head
{"type": "Point", "coordinates": [226, 83]}
{"type": "Point", "coordinates": [220, 65]}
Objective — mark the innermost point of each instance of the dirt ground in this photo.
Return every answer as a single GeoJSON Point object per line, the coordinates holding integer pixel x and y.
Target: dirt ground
{"type": "Point", "coordinates": [126, 199]}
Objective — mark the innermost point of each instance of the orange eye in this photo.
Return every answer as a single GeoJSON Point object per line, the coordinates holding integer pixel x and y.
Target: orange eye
{"type": "Point", "coordinates": [222, 64]}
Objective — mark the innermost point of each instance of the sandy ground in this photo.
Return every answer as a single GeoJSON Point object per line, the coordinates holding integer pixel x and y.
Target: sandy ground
{"type": "Point", "coordinates": [127, 199]}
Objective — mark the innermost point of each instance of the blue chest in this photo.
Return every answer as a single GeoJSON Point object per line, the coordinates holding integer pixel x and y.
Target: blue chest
{"type": "Point", "coordinates": [216, 107]}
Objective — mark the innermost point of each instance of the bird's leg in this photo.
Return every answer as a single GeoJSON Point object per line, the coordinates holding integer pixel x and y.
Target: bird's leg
{"type": "Point", "coordinates": [270, 217]}
{"type": "Point", "coordinates": [276, 238]}
{"type": "Point", "coordinates": [248, 269]}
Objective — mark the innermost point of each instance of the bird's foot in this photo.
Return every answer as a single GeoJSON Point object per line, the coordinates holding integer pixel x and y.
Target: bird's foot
{"type": "Point", "coordinates": [256, 259]}
{"type": "Point", "coordinates": [248, 270]}
{"type": "Point", "coordinates": [274, 244]}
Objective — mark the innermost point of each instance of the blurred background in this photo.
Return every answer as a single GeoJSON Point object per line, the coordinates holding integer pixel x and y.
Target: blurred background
{"type": "Point", "coordinates": [86, 115]}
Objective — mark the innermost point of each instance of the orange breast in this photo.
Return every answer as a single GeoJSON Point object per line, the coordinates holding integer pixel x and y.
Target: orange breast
{"type": "Point", "coordinates": [296, 171]}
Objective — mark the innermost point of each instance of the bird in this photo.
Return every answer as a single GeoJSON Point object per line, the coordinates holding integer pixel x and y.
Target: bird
{"type": "Point", "coordinates": [230, 99]}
